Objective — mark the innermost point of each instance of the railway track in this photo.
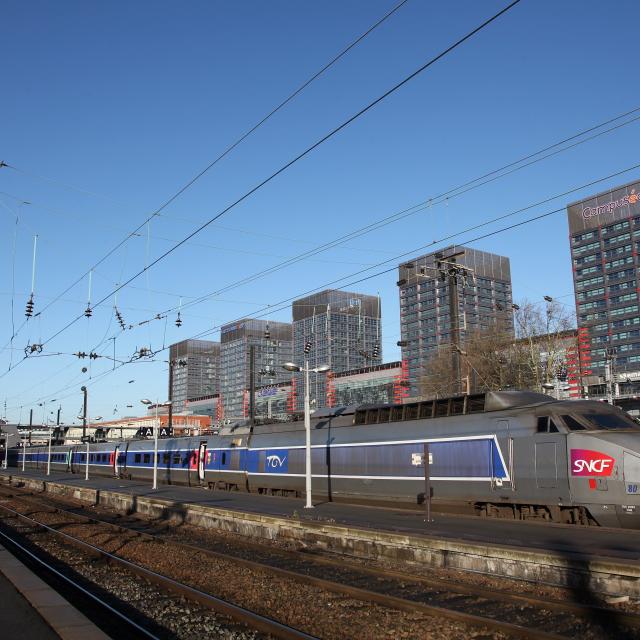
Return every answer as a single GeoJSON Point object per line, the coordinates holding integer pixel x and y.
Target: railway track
{"type": "Point", "coordinates": [502, 612]}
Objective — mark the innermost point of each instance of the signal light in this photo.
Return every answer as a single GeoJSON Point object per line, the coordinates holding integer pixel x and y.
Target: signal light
{"type": "Point", "coordinates": [178, 321]}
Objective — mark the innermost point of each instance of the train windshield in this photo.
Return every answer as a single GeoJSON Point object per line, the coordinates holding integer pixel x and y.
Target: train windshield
{"type": "Point", "coordinates": [610, 421]}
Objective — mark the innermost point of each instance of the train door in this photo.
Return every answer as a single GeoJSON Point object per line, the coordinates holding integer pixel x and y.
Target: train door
{"type": "Point", "coordinates": [501, 453]}
{"type": "Point", "coordinates": [202, 459]}
{"type": "Point", "coordinates": [116, 462]}
{"type": "Point", "coordinates": [68, 457]}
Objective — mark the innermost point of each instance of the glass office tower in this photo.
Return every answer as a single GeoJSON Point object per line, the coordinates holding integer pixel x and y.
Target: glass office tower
{"type": "Point", "coordinates": [193, 371]}
{"type": "Point", "coordinates": [604, 233]}
{"type": "Point", "coordinates": [455, 288]}
{"type": "Point", "coordinates": [339, 328]}
{"type": "Point", "coordinates": [272, 347]}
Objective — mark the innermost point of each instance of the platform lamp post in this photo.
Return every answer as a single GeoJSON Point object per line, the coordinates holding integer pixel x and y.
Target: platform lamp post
{"type": "Point", "coordinates": [290, 366]}
{"type": "Point", "coordinates": [6, 449]}
{"type": "Point", "coordinates": [156, 429]}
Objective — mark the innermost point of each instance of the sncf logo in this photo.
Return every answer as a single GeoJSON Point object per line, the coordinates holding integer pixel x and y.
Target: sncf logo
{"type": "Point", "coordinates": [585, 462]}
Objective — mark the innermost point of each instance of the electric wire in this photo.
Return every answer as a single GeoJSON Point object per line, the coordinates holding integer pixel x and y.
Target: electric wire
{"type": "Point", "coordinates": [302, 155]}
{"type": "Point", "coordinates": [228, 150]}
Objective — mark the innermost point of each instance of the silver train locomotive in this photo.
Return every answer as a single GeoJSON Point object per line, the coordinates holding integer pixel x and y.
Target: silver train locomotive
{"type": "Point", "coordinates": [506, 454]}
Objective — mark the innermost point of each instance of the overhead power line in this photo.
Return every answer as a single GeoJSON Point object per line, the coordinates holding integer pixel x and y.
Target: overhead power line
{"type": "Point", "coordinates": [299, 157]}
{"type": "Point", "coordinates": [228, 150]}
{"type": "Point", "coordinates": [268, 310]}
{"type": "Point", "coordinates": [422, 206]}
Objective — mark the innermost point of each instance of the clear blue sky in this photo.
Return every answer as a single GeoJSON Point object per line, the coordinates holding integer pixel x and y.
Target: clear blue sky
{"type": "Point", "coordinates": [127, 101]}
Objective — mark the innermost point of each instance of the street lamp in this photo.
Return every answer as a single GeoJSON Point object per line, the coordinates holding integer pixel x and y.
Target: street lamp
{"type": "Point", "coordinates": [290, 366]}
{"type": "Point", "coordinates": [156, 428]}
{"type": "Point", "coordinates": [6, 449]}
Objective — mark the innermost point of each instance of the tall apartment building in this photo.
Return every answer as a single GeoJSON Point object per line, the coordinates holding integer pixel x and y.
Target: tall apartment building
{"type": "Point", "coordinates": [193, 371]}
{"type": "Point", "coordinates": [341, 329]}
{"type": "Point", "coordinates": [272, 345]}
{"type": "Point", "coordinates": [605, 237]}
{"type": "Point", "coordinates": [447, 295]}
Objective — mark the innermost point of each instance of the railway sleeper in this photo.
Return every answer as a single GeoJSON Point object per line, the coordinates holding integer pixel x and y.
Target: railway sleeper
{"type": "Point", "coordinates": [550, 513]}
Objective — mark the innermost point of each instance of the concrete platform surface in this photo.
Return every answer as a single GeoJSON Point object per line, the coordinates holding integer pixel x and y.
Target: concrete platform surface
{"type": "Point", "coordinates": [30, 608]}
{"type": "Point", "coordinates": [594, 542]}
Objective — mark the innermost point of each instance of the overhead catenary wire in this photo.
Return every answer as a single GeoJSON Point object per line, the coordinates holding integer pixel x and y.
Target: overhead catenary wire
{"type": "Point", "coordinates": [269, 309]}
{"type": "Point", "coordinates": [226, 152]}
{"type": "Point", "coordinates": [303, 154]}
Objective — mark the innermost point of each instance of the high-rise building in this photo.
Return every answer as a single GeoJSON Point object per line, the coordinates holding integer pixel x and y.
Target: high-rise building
{"type": "Point", "coordinates": [444, 297]}
{"type": "Point", "coordinates": [341, 329]}
{"type": "Point", "coordinates": [271, 345]}
{"type": "Point", "coordinates": [193, 371]}
{"type": "Point", "coordinates": [605, 236]}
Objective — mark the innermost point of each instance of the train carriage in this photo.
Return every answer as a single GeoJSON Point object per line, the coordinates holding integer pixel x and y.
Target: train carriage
{"type": "Point", "coordinates": [501, 454]}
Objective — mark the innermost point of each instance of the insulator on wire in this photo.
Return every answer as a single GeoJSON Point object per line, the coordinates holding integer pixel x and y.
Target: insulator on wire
{"type": "Point", "coordinates": [29, 309]}
{"type": "Point", "coordinates": [267, 333]}
{"type": "Point", "coordinates": [88, 312]}
{"type": "Point", "coordinates": [376, 350]}
{"type": "Point", "coordinates": [178, 320]}
{"type": "Point", "coordinates": [307, 346]}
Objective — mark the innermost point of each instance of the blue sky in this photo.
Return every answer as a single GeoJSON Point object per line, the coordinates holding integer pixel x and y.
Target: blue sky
{"type": "Point", "coordinates": [108, 109]}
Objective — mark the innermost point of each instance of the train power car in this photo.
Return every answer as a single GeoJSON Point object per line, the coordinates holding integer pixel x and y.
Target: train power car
{"type": "Point", "coordinates": [504, 454]}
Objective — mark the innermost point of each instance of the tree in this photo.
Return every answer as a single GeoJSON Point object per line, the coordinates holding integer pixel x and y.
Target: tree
{"type": "Point", "coordinates": [495, 359]}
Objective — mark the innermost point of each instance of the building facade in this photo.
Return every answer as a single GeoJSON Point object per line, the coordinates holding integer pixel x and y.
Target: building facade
{"type": "Point", "coordinates": [371, 385]}
{"type": "Point", "coordinates": [272, 346]}
{"type": "Point", "coordinates": [604, 235]}
{"type": "Point", "coordinates": [446, 296]}
{"type": "Point", "coordinates": [193, 371]}
{"type": "Point", "coordinates": [341, 329]}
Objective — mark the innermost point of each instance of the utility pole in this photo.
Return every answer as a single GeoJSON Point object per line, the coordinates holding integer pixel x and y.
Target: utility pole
{"type": "Point", "coordinates": [609, 372]}
{"type": "Point", "coordinates": [252, 386]}
{"type": "Point", "coordinates": [84, 412]}
{"type": "Point", "coordinates": [452, 273]}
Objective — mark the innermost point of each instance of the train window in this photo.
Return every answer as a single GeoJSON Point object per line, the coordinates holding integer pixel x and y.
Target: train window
{"type": "Point", "coordinates": [372, 416]}
{"type": "Point", "coordinates": [83, 457]}
{"type": "Point", "coordinates": [426, 409]}
{"type": "Point", "coordinates": [361, 417]}
{"type": "Point", "coordinates": [176, 459]}
{"type": "Point", "coordinates": [475, 404]}
{"type": "Point", "coordinates": [610, 421]}
{"type": "Point", "coordinates": [442, 407]}
{"type": "Point", "coordinates": [138, 458]}
{"type": "Point", "coordinates": [385, 413]}
{"type": "Point", "coordinates": [457, 406]}
{"type": "Point", "coordinates": [165, 458]}
{"type": "Point", "coordinates": [104, 457]}
{"type": "Point", "coordinates": [573, 424]}
{"type": "Point", "coordinates": [147, 458]}
{"type": "Point", "coordinates": [93, 457]}
{"type": "Point", "coordinates": [411, 412]}
{"type": "Point", "coordinates": [223, 459]}
{"type": "Point", "coordinates": [546, 425]}
{"type": "Point", "coordinates": [396, 413]}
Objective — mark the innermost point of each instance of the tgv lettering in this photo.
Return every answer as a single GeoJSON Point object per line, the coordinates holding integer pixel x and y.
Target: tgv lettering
{"type": "Point", "coordinates": [591, 466]}
{"type": "Point", "coordinates": [275, 461]}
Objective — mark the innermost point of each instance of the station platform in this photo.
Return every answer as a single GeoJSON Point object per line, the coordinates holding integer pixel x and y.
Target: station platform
{"type": "Point", "coordinates": [602, 559]}
{"type": "Point", "coordinates": [591, 541]}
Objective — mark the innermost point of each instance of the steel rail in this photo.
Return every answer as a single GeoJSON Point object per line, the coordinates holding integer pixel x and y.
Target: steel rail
{"type": "Point", "coordinates": [51, 569]}
{"type": "Point", "coordinates": [586, 610]}
{"type": "Point", "coordinates": [357, 593]}
{"type": "Point", "coordinates": [240, 614]}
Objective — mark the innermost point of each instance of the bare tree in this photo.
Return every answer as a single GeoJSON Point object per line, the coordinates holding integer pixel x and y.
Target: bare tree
{"type": "Point", "coordinates": [493, 359]}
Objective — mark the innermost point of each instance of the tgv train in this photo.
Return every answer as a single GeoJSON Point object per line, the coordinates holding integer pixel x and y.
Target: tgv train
{"type": "Point", "coordinates": [504, 454]}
